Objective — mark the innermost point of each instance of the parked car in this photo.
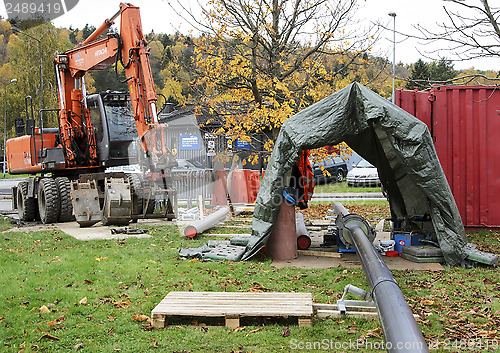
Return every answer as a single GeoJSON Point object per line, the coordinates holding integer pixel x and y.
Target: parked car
{"type": "Point", "coordinates": [363, 174]}
{"type": "Point", "coordinates": [336, 166]}
{"type": "Point", "coordinates": [132, 168]}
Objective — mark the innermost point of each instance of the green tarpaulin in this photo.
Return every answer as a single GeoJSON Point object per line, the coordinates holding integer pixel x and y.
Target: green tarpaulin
{"type": "Point", "coordinates": [398, 144]}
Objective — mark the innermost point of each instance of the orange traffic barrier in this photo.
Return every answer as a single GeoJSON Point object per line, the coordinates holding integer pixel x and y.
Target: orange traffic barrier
{"type": "Point", "coordinates": [219, 197]}
{"type": "Point", "coordinates": [238, 192]}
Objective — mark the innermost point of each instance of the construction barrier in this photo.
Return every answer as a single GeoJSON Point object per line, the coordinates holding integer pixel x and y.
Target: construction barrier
{"type": "Point", "coordinates": [242, 186]}
{"type": "Point", "coordinates": [192, 183]}
{"type": "Point", "coordinates": [219, 197]}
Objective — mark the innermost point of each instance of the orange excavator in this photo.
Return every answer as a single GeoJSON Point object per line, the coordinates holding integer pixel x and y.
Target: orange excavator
{"type": "Point", "coordinates": [96, 132]}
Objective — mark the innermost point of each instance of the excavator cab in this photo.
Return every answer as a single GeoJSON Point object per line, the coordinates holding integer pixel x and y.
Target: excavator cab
{"type": "Point", "coordinates": [114, 127]}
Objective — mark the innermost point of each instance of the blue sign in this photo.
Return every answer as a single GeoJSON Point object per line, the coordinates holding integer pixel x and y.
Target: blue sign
{"type": "Point", "coordinates": [189, 142]}
{"type": "Point", "coordinates": [242, 145]}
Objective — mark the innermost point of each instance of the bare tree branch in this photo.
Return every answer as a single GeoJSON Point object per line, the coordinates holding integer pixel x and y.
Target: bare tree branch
{"type": "Point", "coordinates": [471, 30]}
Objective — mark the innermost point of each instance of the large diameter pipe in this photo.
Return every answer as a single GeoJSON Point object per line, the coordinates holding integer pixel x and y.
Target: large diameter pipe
{"type": "Point", "coordinates": [401, 331]}
{"type": "Point", "coordinates": [208, 222]}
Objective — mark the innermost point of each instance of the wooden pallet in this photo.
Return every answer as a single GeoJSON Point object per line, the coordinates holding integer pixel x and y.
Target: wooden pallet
{"type": "Point", "coordinates": [234, 305]}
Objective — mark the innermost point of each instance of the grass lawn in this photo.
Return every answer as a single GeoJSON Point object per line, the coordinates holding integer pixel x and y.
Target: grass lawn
{"type": "Point", "coordinates": [60, 295]}
{"type": "Point", "coordinates": [342, 187]}
{"type": "Point", "coordinates": [14, 176]}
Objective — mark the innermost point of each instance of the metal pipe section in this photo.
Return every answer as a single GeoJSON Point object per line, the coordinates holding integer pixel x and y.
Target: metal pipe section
{"type": "Point", "coordinates": [208, 222]}
{"type": "Point", "coordinates": [401, 331]}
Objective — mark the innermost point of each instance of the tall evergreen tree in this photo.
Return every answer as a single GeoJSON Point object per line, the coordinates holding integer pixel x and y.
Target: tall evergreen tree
{"type": "Point", "coordinates": [419, 76]}
{"type": "Point", "coordinates": [442, 70]}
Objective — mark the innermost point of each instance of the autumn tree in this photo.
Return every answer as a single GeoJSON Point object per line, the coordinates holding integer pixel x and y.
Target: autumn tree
{"type": "Point", "coordinates": [24, 56]}
{"type": "Point", "coordinates": [259, 62]}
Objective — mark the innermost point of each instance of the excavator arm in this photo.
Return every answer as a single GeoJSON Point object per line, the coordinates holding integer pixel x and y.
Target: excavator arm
{"type": "Point", "coordinates": [130, 47]}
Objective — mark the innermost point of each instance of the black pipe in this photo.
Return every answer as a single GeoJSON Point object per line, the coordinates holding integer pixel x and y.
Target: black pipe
{"type": "Point", "coordinates": [401, 331]}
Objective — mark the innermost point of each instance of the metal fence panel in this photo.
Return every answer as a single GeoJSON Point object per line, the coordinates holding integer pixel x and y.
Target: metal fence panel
{"type": "Point", "coordinates": [192, 183]}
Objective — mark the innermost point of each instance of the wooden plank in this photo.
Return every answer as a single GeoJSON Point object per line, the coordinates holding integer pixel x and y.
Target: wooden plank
{"type": "Point", "coordinates": [232, 321]}
{"type": "Point", "coordinates": [242, 295]}
{"type": "Point", "coordinates": [333, 307]}
{"type": "Point", "coordinates": [355, 314]}
{"type": "Point", "coordinates": [269, 307]}
{"type": "Point", "coordinates": [158, 321]}
{"type": "Point", "coordinates": [319, 222]}
{"type": "Point", "coordinates": [238, 309]}
{"type": "Point", "coordinates": [305, 322]}
{"type": "Point", "coordinates": [227, 235]}
{"type": "Point", "coordinates": [320, 253]}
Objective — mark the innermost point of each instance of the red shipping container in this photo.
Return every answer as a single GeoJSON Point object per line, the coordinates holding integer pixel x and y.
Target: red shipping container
{"type": "Point", "coordinates": [464, 122]}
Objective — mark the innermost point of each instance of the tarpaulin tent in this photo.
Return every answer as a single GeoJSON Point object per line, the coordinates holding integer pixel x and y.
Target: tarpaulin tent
{"type": "Point", "coordinates": [397, 143]}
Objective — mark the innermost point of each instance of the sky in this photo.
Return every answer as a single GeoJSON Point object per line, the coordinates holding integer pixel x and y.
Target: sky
{"type": "Point", "coordinates": [158, 16]}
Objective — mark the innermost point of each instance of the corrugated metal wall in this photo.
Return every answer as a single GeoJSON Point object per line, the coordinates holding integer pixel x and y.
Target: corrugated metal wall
{"type": "Point", "coordinates": [464, 122]}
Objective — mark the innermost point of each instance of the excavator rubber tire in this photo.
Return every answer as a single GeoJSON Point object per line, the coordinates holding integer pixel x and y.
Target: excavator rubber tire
{"type": "Point", "coordinates": [48, 200]}
{"type": "Point", "coordinates": [26, 206]}
{"type": "Point", "coordinates": [66, 207]}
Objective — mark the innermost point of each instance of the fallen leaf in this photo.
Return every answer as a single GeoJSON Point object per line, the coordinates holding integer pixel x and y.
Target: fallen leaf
{"type": "Point", "coordinates": [83, 301]}
{"type": "Point", "coordinates": [100, 258]}
{"type": "Point", "coordinates": [43, 309]}
{"type": "Point", "coordinates": [374, 333]}
{"type": "Point", "coordinates": [140, 317]}
{"type": "Point", "coordinates": [148, 327]}
{"type": "Point", "coordinates": [56, 321]}
{"type": "Point", "coordinates": [54, 338]}
{"type": "Point", "coordinates": [122, 304]}
{"type": "Point", "coordinates": [79, 346]}
{"type": "Point", "coordinates": [427, 302]}
{"type": "Point", "coordinates": [86, 281]}
{"type": "Point", "coordinates": [286, 333]}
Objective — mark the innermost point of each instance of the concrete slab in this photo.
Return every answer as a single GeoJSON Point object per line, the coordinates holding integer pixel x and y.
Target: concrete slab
{"type": "Point", "coordinates": [351, 260]}
{"type": "Point", "coordinates": [96, 232]}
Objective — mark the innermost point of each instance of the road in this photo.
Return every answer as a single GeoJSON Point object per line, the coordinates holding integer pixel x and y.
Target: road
{"type": "Point", "coordinates": [349, 196]}
{"type": "Point", "coordinates": [5, 194]}
{"type": "Point", "coordinates": [7, 184]}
